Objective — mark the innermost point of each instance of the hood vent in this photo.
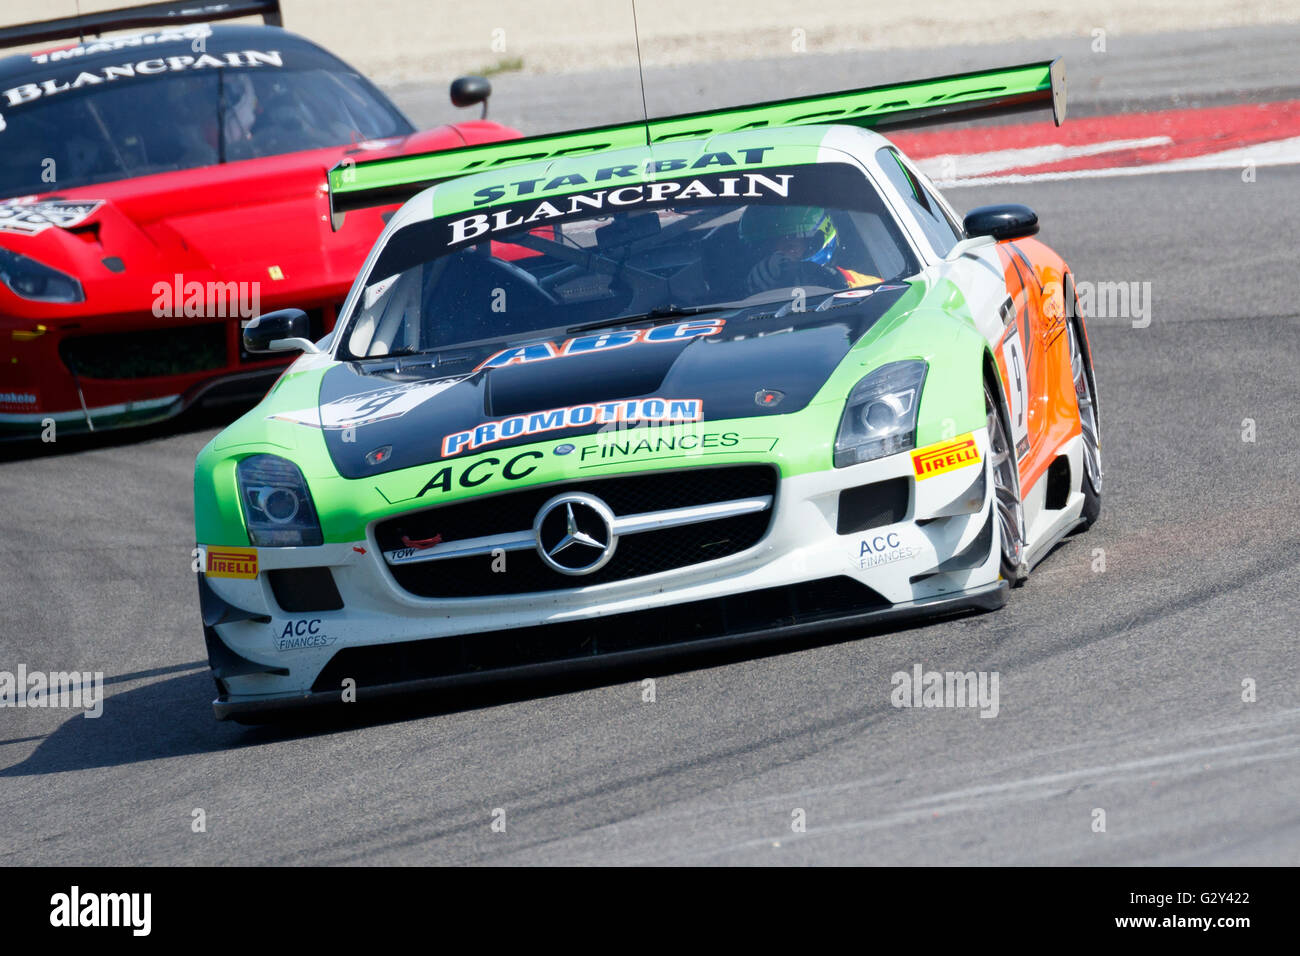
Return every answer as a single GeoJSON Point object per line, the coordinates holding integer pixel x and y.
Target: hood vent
{"type": "Point", "coordinates": [578, 380]}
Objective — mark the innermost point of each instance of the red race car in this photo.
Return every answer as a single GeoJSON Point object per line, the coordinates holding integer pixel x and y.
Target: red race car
{"type": "Point", "coordinates": [160, 189]}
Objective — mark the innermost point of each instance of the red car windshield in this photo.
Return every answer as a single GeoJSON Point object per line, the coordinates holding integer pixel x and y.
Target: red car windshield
{"type": "Point", "coordinates": [184, 121]}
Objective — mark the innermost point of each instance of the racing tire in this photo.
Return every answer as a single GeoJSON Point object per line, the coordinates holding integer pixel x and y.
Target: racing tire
{"type": "Point", "coordinates": [1085, 391]}
{"type": "Point", "coordinates": [1008, 509]}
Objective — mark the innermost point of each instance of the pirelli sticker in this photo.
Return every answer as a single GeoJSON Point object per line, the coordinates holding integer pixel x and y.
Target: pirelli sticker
{"type": "Point", "coordinates": [232, 563]}
{"type": "Point", "coordinates": [946, 456]}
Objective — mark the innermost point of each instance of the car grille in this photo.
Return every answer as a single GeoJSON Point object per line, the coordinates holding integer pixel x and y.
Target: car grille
{"type": "Point", "coordinates": [181, 350]}
{"type": "Point", "coordinates": [146, 354]}
{"type": "Point", "coordinates": [637, 555]}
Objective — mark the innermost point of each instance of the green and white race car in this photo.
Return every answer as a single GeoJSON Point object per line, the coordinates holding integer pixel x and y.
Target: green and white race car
{"type": "Point", "coordinates": [607, 394]}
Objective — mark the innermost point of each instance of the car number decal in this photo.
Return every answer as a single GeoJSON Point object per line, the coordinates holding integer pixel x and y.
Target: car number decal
{"type": "Point", "coordinates": [1017, 389]}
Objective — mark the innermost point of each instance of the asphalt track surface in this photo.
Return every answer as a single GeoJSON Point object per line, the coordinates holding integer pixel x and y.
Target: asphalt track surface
{"type": "Point", "coordinates": [1120, 689]}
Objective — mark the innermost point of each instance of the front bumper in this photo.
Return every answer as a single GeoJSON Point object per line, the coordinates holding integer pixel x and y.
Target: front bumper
{"type": "Point", "coordinates": [224, 388]}
{"type": "Point", "coordinates": [47, 393]}
{"type": "Point", "coordinates": [987, 597]}
{"type": "Point", "coordinates": [941, 555]}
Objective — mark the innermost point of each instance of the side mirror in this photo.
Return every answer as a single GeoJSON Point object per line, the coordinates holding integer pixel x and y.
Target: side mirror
{"type": "Point", "coordinates": [468, 90]}
{"type": "Point", "coordinates": [1007, 221]}
{"type": "Point", "coordinates": [283, 331]}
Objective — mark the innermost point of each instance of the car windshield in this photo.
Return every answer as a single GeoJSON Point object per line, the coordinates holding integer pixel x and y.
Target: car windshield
{"type": "Point", "coordinates": [780, 235]}
{"type": "Point", "coordinates": [186, 120]}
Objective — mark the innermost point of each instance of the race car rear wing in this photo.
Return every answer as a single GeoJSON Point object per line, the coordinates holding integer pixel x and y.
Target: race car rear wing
{"type": "Point", "coordinates": [379, 182]}
{"type": "Point", "coordinates": [168, 14]}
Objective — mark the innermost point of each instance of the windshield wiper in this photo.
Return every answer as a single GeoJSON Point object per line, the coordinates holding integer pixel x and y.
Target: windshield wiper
{"type": "Point", "coordinates": [405, 352]}
{"type": "Point", "coordinates": [394, 358]}
{"type": "Point", "coordinates": [658, 313]}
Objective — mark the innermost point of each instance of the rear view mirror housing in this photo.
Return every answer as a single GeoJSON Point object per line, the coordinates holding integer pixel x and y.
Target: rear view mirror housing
{"type": "Point", "coordinates": [282, 331]}
{"type": "Point", "coordinates": [468, 90]}
{"type": "Point", "coordinates": [1004, 221]}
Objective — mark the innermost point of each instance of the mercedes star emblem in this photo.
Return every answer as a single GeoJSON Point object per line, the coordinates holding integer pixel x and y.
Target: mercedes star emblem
{"type": "Point", "coordinates": [575, 533]}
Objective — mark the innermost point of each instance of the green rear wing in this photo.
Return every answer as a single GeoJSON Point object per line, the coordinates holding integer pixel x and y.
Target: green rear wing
{"type": "Point", "coordinates": [1014, 89]}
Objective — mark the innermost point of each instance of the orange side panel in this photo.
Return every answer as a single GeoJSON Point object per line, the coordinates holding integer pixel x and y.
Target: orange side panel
{"type": "Point", "coordinates": [1040, 310]}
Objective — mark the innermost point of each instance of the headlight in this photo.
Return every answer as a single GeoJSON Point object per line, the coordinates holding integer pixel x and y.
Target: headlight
{"type": "Point", "coordinates": [29, 279]}
{"type": "Point", "coordinates": [277, 505]}
{"type": "Point", "coordinates": [880, 416]}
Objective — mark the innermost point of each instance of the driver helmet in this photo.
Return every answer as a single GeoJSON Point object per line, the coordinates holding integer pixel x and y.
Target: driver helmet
{"type": "Point", "coordinates": [800, 232]}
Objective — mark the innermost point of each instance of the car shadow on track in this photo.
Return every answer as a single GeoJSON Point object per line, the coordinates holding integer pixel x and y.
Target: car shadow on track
{"type": "Point", "coordinates": [173, 718]}
{"type": "Point", "coordinates": [167, 718]}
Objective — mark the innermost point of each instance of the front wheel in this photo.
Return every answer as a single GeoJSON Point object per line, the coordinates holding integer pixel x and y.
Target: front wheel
{"type": "Point", "coordinates": [1008, 510]}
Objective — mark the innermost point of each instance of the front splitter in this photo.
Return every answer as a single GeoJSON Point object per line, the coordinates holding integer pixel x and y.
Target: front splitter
{"type": "Point", "coordinates": [987, 597]}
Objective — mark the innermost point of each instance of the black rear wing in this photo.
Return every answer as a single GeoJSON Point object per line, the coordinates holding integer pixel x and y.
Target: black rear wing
{"type": "Point", "coordinates": [168, 13]}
